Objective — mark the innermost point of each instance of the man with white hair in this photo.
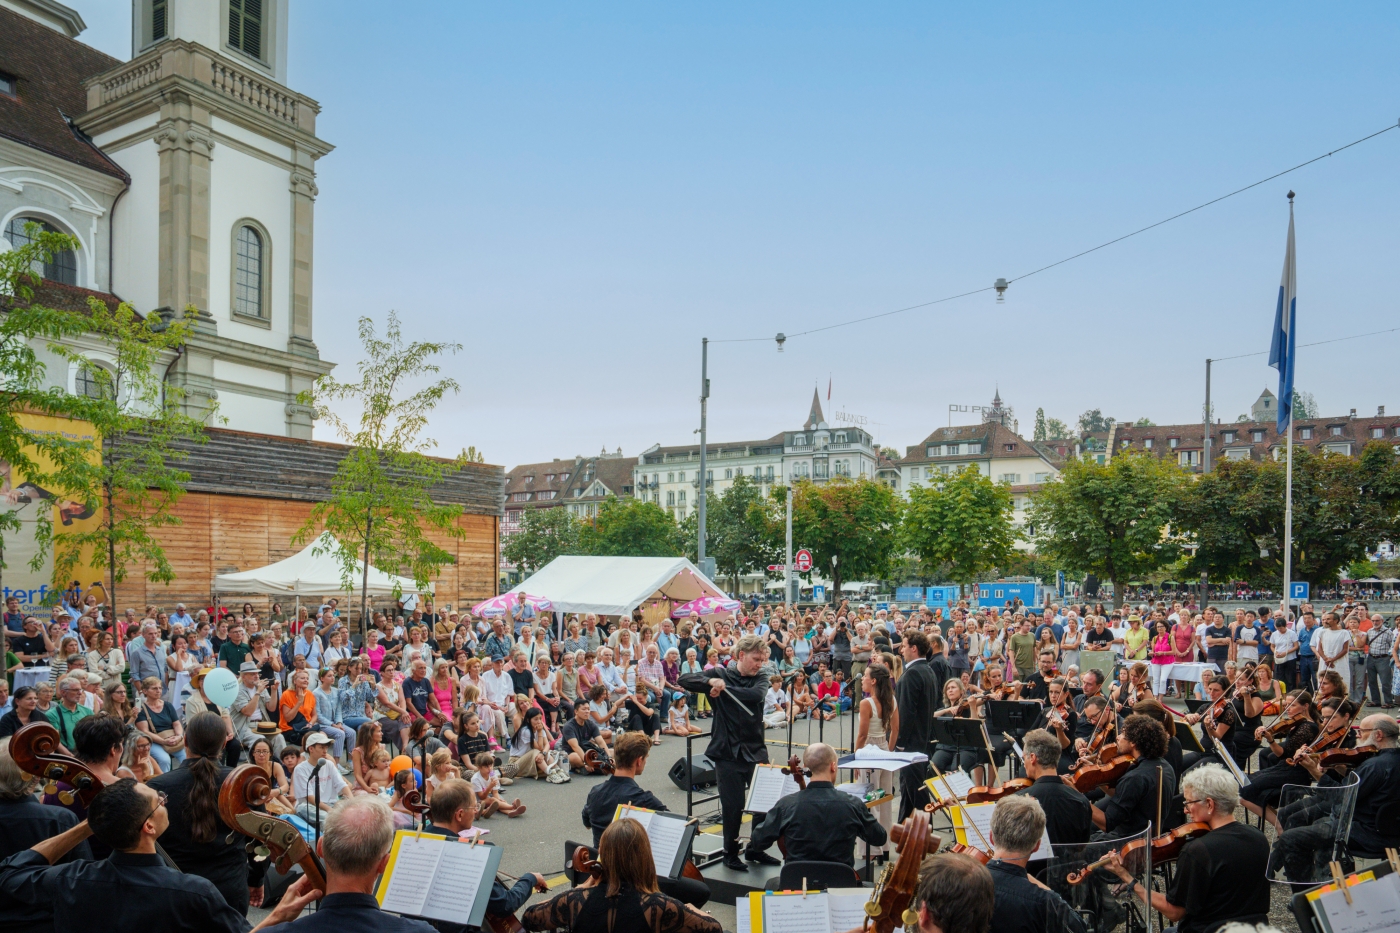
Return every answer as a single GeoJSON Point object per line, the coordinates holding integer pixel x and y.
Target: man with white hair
{"type": "Point", "coordinates": [69, 710]}
{"type": "Point", "coordinates": [1022, 905]}
{"type": "Point", "coordinates": [1220, 876]}
{"type": "Point", "coordinates": [819, 823]}
{"type": "Point", "coordinates": [146, 656]}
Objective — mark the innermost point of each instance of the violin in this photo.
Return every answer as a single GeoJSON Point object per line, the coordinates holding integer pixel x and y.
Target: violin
{"type": "Point", "coordinates": [991, 794]}
{"type": "Point", "coordinates": [958, 848]}
{"type": "Point", "coordinates": [1087, 777]}
{"type": "Point", "coordinates": [891, 902]}
{"type": "Point", "coordinates": [1005, 690]}
{"type": "Point", "coordinates": [595, 762]}
{"type": "Point", "coordinates": [1323, 742]}
{"type": "Point", "coordinates": [247, 787]}
{"type": "Point", "coordinates": [1282, 727]}
{"type": "Point", "coordinates": [1163, 848]}
{"type": "Point", "coordinates": [1347, 756]}
{"type": "Point", "coordinates": [36, 749]}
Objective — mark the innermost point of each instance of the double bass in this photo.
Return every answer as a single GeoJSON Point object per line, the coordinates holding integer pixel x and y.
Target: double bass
{"type": "Point", "coordinates": [36, 749]}
{"type": "Point", "coordinates": [891, 903]}
{"type": "Point", "coordinates": [247, 787]}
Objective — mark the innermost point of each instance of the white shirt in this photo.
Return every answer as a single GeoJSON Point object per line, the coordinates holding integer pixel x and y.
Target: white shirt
{"type": "Point", "coordinates": [1329, 642]}
{"type": "Point", "coordinates": [1284, 643]}
{"type": "Point", "coordinates": [329, 778]}
{"type": "Point", "coordinates": [774, 700]}
{"type": "Point", "coordinates": [497, 689]}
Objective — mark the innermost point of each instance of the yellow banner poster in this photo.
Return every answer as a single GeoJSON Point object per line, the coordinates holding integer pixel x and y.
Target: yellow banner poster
{"type": "Point", "coordinates": [31, 503]}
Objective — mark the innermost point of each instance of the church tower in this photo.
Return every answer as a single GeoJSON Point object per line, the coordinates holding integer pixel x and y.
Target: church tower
{"type": "Point", "coordinates": [219, 212]}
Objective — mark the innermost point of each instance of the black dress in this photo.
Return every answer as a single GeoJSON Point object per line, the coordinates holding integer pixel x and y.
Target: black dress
{"type": "Point", "coordinates": [1265, 786]}
{"type": "Point", "coordinates": [590, 910]}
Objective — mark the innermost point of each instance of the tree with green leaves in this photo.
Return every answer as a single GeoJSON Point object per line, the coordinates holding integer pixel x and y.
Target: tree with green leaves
{"type": "Point", "coordinates": [738, 527]}
{"type": "Point", "coordinates": [630, 528]}
{"type": "Point", "coordinates": [962, 523]}
{"type": "Point", "coordinates": [380, 506]}
{"type": "Point", "coordinates": [1056, 429]}
{"type": "Point", "coordinates": [1041, 430]}
{"type": "Point", "coordinates": [544, 534]}
{"type": "Point", "coordinates": [135, 482]}
{"type": "Point", "coordinates": [1342, 507]}
{"type": "Point", "coordinates": [855, 521]}
{"type": "Point", "coordinates": [1144, 422]}
{"type": "Point", "coordinates": [1304, 405]}
{"type": "Point", "coordinates": [1110, 519]}
{"type": "Point", "coordinates": [1094, 422]}
{"type": "Point", "coordinates": [48, 460]}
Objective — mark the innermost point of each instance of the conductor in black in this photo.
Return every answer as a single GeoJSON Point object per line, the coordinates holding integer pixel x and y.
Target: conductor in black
{"type": "Point", "coordinates": [736, 739]}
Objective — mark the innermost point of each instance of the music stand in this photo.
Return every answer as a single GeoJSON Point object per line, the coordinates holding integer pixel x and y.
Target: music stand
{"type": "Point", "coordinates": [1195, 706]}
{"type": "Point", "coordinates": [1188, 739]}
{"type": "Point", "coordinates": [1014, 716]}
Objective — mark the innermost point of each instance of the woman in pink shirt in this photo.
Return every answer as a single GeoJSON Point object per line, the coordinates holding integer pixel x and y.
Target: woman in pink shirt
{"type": "Point", "coordinates": [1163, 657]}
{"type": "Point", "coordinates": [1184, 649]}
{"type": "Point", "coordinates": [375, 652]}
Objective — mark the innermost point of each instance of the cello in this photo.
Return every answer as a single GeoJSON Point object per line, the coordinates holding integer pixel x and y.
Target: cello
{"type": "Point", "coordinates": [247, 787]}
{"type": "Point", "coordinates": [36, 749]}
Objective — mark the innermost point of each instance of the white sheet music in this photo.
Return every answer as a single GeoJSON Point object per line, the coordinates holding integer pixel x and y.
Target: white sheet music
{"type": "Point", "coordinates": [957, 781]}
{"type": "Point", "coordinates": [796, 913]}
{"type": "Point", "coordinates": [666, 834]}
{"type": "Point", "coordinates": [741, 915]}
{"type": "Point", "coordinates": [412, 876]}
{"type": "Point", "coordinates": [769, 785]}
{"type": "Point", "coordinates": [981, 816]}
{"type": "Point", "coordinates": [1375, 906]}
{"type": "Point", "coordinates": [460, 874]}
{"type": "Point", "coordinates": [847, 907]}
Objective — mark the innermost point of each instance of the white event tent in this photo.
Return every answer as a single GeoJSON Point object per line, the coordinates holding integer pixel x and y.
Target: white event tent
{"type": "Point", "coordinates": [614, 586]}
{"type": "Point", "coordinates": [310, 574]}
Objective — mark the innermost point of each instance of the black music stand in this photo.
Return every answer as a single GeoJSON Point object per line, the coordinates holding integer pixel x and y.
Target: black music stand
{"type": "Point", "coordinates": [1014, 716]}
{"type": "Point", "coordinates": [959, 733]}
{"type": "Point", "coordinates": [1195, 706]}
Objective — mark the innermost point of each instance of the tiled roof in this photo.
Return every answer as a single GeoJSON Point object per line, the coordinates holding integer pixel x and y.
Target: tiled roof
{"type": "Point", "coordinates": [60, 297]}
{"type": "Point", "coordinates": [656, 454]}
{"type": "Point", "coordinates": [1354, 431]}
{"type": "Point", "coordinates": [50, 68]}
{"type": "Point", "coordinates": [998, 442]}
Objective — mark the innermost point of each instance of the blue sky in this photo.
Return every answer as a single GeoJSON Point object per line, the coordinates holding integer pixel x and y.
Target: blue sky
{"type": "Point", "coordinates": [579, 193]}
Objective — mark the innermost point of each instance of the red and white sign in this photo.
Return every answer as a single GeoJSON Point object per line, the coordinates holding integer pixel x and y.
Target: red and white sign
{"type": "Point", "coordinates": [802, 561]}
{"type": "Point", "coordinates": [777, 567]}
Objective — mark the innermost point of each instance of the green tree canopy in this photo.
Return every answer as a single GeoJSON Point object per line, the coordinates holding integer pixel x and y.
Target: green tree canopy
{"type": "Point", "coordinates": [1056, 429]}
{"type": "Point", "coordinates": [1093, 421]}
{"type": "Point", "coordinates": [1109, 519]}
{"type": "Point", "coordinates": [738, 531]}
{"type": "Point", "coordinates": [854, 520]}
{"type": "Point", "coordinates": [544, 534]}
{"type": "Point", "coordinates": [630, 528]}
{"type": "Point", "coordinates": [1041, 430]}
{"type": "Point", "coordinates": [962, 523]}
{"type": "Point", "coordinates": [1342, 506]}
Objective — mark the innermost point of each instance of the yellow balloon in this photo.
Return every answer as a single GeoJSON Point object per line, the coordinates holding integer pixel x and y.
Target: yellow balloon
{"type": "Point", "coordinates": [399, 764]}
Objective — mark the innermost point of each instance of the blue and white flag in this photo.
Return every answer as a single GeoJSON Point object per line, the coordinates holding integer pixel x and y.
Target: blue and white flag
{"type": "Point", "coordinates": [1285, 317]}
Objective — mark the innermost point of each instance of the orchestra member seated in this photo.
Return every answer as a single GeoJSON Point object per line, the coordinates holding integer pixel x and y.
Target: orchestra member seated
{"type": "Point", "coordinates": [1023, 905]}
{"type": "Point", "coordinates": [1091, 714]}
{"type": "Point", "coordinates": [622, 897]}
{"type": "Point", "coordinates": [1154, 709]}
{"type": "Point", "coordinates": [453, 809]}
{"type": "Point", "coordinates": [1261, 795]}
{"type": "Point", "coordinates": [955, 894]}
{"type": "Point", "coordinates": [1038, 684]}
{"type": "Point", "coordinates": [1220, 875]}
{"type": "Point", "coordinates": [1298, 848]}
{"type": "Point", "coordinates": [1068, 813]}
{"type": "Point", "coordinates": [629, 760]}
{"type": "Point", "coordinates": [133, 888]}
{"type": "Point", "coordinates": [1135, 802]}
{"type": "Point", "coordinates": [1219, 723]}
{"type": "Point", "coordinates": [1092, 681]}
{"type": "Point", "coordinates": [1059, 718]}
{"type": "Point", "coordinates": [958, 703]}
{"type": "Point", "coordinates": [819, 823]}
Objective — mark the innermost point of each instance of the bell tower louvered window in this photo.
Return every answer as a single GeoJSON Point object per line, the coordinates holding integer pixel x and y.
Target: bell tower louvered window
{"type": "Point", "coordinates": [245, 26]}
{"type": "Point", "coordinates": [159, 21]}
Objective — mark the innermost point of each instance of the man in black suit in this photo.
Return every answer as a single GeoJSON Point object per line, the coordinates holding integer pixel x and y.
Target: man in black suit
{"type": "Point", "coordinates": [916, 697]}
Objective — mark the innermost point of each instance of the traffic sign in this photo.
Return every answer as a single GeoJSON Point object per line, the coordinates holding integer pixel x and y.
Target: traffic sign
{"type": "Point", "coordinates": [1298, 591]}
{"type": "Point", "coordinates": [777, 568]}
{"type": "Point", "coordinates": [819, 593]}
{"type": "Point", "coordinates": [802, 561]}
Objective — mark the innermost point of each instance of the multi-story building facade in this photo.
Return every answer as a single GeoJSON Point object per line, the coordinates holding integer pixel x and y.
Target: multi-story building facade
{"type": "Point", "coordinates": [186, 176]}
{"type": "Point", "coordinates": [579, 485]}
{"type": "Point", "coordinates": [818, 452]}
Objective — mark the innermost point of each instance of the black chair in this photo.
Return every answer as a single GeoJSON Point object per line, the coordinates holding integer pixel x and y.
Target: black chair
{"type": "Point", "coordinates": [820, 876]}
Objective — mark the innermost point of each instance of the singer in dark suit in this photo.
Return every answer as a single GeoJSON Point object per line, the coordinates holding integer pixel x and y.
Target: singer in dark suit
{"type": "Point", "coordinates": [916, 696]}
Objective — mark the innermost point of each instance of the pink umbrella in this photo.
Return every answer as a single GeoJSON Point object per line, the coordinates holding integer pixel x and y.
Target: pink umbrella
{"type": "Point", "coordinates": [498, 606]}
{"type": "Point", "coordinates": [706, 606]}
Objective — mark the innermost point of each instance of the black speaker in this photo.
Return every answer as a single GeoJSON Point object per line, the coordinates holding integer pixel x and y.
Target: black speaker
{"type": "Point", "coordinates": [693, 773]}
{"type": "Point", "coordinates": [1091, 586]}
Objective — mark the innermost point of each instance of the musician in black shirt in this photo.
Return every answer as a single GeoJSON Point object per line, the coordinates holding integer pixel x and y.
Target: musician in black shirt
{"type": "Point", "coordinates": [1220, 875]}
{"type": "Point", "coordinates": [1219, 724]}
{"type": "Point", "coordinates": [1261, 795]}
{"type": "Point", "coordinates": [1068, 813]}
{"type": "Point", "coordinates": [1059, 718]}
{"type": "Point", "coordinates": [629, 759]}
{"type": "Point", "coordinates": [1022, 906]}
{"type": "Point", "coordinates": [1145, 789]}
{"type": "Point", "coordinates": [1038, 684]}
{"type": "Point", "coordinates": [819, 823]}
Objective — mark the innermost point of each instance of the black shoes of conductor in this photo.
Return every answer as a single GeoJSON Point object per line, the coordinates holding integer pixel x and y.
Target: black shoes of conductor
{"type": "Point", "coordinates": [760, 858]}
{"type": "Point", "coordinates": [734, 863]}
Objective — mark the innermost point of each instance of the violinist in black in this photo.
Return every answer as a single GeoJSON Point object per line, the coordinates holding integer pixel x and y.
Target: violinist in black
{"type": "Point", "coordinates": [1145, 790]}
{"type": "Point", "coordinates": [1060, 720]}
{"type": "Point", "coordinates": [1261, 795]}
{"type": "Point", "coordinates": [1219, 722]}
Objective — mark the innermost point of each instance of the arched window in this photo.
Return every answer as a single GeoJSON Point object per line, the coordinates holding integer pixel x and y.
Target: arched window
{"type": "Point", "coordinates": [87, 382]}
{"type": "Point", "coordinates": [61, 267]}
{"type": "Point", "coordinates": [248, 273]}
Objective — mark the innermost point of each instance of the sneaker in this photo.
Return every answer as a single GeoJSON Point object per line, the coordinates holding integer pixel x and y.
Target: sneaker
{"type": "Point", "coordinates": [506, 782]}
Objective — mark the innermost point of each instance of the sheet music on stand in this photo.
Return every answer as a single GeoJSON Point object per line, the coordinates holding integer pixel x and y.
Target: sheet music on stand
{"type": "Point", "coordinates": [980, 814]}
{"type": "Point", "coordinates": [958, 783]}
{"type": "Point", "coordinates": [769, 785]}
{"type": "Point", "coordinates": [669, 834]}
{"type": "Point", "coordinates": [832, 911]}
{"type": "Point", "coordinates": [1374, 905]}
{"type": "Point", "coordinates": [432, 876]}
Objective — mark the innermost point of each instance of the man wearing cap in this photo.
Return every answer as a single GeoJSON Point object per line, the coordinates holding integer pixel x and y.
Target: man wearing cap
{"type": "Point", "coordinates": [328, 778]}
{"type": "Point", "coordinates": [251, 707]}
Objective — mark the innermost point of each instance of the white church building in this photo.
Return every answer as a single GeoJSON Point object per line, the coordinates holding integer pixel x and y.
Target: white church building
{"type": "Point", "coordinates": [187, 176]}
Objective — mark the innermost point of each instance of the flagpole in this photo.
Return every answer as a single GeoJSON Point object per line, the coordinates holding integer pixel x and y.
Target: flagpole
{"type": "Point", "coordinates": [1290, 297]}
{"type": "Point", "coordinates": [1288, 523]}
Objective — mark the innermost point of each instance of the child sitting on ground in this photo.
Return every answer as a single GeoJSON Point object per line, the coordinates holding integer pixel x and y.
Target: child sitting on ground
{"type": "Point", "coordinates": [775, 703]}
{"type": "Point", "coordinates": [441, 769]}
{"type": "Point", "coordinates": [678, 718]}
{"type": "Point", "coordinates": [487, 784]}
{"type": "Point", "coordinates": [378, 773]}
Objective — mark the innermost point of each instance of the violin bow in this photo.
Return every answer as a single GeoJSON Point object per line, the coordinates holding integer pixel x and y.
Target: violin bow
{"type": "Point", "coordinates": [962, 806]}
{"type": "Point", "coordinates": [991, 757]}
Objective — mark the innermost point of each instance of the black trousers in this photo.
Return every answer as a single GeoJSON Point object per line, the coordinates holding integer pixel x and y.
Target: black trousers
{"type": "Point", "coordinates": [650, 724]}
{"type": "Point", "coordinates": [733, 778]}
{"type": "Point", "coordinates": [912, 791]}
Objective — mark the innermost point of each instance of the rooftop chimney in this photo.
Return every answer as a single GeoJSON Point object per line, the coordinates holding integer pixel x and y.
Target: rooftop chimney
{"type": "Point", "coordinates": [1380, 411]}
{"type": "Point", "coordinates": [1353, 413]}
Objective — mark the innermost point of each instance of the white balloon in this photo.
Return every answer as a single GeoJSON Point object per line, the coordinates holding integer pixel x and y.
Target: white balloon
{"type": "Point", "coordinates": [221, 686]}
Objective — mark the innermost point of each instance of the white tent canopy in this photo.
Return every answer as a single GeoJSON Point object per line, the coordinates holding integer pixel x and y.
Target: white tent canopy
{"type": "Point", "coordinates": [311, 574]}
{"type": "Point", "coordinates": [615, 586]}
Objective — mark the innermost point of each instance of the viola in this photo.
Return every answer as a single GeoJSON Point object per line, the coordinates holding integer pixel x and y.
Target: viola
{"type": "Point", "coordinates": [991, 794]}
{"type": "Point", "coordinates": [595, 762]}
{"type": "Point", "coordinates": [1087, 777]}
{"type": "Point", "coordinates": [1163, 848]}
{"type": "Point", "coordinates": [247, 787]}
{"type": "Point", "coordinates": [959, 849]}
{"type": "Point", "coordinates": [1347, 756]}
{"type": "Point", "coordinates": [36, 749]}
{"type": "Point", "coordinates": [892, 900]}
